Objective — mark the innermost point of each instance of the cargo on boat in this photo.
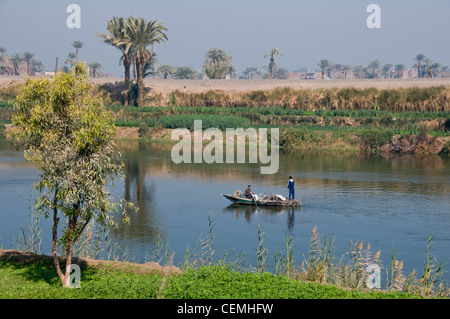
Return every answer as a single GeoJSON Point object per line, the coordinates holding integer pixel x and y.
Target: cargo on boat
{"type": "Point", "coordinates": [262, 200]}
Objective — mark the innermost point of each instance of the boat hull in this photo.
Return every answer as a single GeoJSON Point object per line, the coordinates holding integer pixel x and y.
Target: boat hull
{"type": "Point", "coordinates": [262, 202]}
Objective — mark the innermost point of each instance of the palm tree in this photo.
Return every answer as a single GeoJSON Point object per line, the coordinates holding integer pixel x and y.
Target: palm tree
{"type": "Point", "coordinates": [77, 45]}
{"type": "Point", "coordinates": [419, 58]}
{"type": "Point", "coordinates": [149, 65]}
{"type": "Point", "coordinates": [324, 65]}
{"type": "Point", "coordinates": [399, 69]}
{"type": "Point", "coordinates": [360, 72]}
{"type": "Point", "coordinates": [71, 56]}
{"type": "Point", "coordinates": [386, 70]}
{"type": "Point", "coordinates": [374, 69]}
{"type": "Point", "coordinates": [140, 34]}
{"type": "Point", "coordinates": [185, 72]}
{"type": "Point", "coordinates": [117, 38]}
{"type": "Point", "coordinates": [166, 70]}
{"type": "Point", "coordinates": [217, 64]}
{"type": "Point", "coordinates": [281, 73]}
{"type": "Point", "coordinates": [36, 65]}
{"type": "Point", "coordinates": [273, 66]}
{"type": "Point", "coordinates": [250, 72]}
{"type": "Point", "coordinates": [27, 56]}
{"type": "Point", "coordinates": [94, 67]}
{"type": "Point", "coordinates": [345, 69]}
{"type": "Point", "coordinates": [2, 53]}
{"type": "Point", "coordinates": [337, 67]}
{"type": "Point", "coordinates": [16, 58]}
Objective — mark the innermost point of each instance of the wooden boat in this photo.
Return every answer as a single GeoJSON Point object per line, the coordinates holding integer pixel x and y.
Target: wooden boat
{"type": "Point", "coordinates": [262, 200]}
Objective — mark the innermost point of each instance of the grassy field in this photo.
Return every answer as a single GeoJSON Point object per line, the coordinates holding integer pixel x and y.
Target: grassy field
{"type": "Point", "coordinates": [38, 280]}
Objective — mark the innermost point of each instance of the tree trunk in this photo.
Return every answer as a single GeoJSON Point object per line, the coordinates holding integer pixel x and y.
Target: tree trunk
{"type": "Point", "coordinates": [55, 238]}
{"type": "Point", "coordinates": [140, 83]}
{"type": "Point", "coordinates": [153, 64]}
{"type": "Point", "coordinates": [71, 234]}
{"type": "Point", "coordinates": [127, 65]}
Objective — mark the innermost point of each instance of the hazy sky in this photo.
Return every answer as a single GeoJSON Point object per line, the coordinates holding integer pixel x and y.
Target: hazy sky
{"type": "Point", "coordinates": [305, 31]}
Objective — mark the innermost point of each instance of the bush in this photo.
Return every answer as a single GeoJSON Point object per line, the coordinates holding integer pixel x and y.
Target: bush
{"type": "Point", "coordinates": [374, 138]}
{"type": "Point", "coordinates": [144, 130]}
{"type": "Point", "coordinates": [208, 121]}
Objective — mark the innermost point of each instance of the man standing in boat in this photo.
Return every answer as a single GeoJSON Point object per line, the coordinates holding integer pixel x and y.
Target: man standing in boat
{"type": "Point", "coordinates": [291, 188]}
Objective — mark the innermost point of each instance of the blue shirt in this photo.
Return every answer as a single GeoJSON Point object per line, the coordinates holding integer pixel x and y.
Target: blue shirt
{"type": "Point", "coordinates": [291, 184]}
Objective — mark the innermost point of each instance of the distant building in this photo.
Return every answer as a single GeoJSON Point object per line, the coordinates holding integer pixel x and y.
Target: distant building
{"type": "Point", "coordinates": [303, 75]}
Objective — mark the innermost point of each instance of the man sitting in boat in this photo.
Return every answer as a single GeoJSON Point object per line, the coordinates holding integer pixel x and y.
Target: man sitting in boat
{"type": "Point", "coordinates": [249, 194]}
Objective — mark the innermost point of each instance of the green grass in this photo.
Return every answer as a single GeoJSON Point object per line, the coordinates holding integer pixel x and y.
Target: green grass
{"type": "Point", "coordinates": [39, 281]}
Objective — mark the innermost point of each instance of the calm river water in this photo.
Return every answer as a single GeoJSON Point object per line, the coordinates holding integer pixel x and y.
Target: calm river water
{"type": "Point", "coordinates": [387, 202]}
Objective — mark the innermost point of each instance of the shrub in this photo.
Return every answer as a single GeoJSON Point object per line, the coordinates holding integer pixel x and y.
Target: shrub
{"type": "Point", "coordinates": [374, 138]}
{"type": "Point", "coordinates": [208, 121]}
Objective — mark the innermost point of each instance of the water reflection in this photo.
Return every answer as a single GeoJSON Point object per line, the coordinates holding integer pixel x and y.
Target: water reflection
{"type": "Point", "coordinates": [384, 200]}
{"type": "Point", "coordinates": [250, 211]}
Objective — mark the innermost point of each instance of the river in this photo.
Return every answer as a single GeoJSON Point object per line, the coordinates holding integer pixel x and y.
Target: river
{"type": "Point", "coordinates": [389, 202]}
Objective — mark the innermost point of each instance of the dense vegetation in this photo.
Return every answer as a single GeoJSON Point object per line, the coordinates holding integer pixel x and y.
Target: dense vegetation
{"type": "Point", "coordinates": [38, 281]}
{"type": "Point", "coordinates": [360, 118]}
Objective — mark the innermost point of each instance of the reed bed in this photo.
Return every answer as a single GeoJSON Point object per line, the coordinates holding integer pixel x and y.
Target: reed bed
{"type": "Point", "coordinates": [431, 99]}
{"type": "Point", "coordinates": [320, 266]}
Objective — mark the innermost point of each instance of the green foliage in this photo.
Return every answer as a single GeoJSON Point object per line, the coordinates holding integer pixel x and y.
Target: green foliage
{"type": "Point", "coordinates": [144, 130]}
{"type": "Point", "coordinates": [38, 281]}
{"type": "Point", "coordinates": [293, 137]}
{"type": "Point", "coordinates": [373, 138]}
{"type": "Point", "coordinates": [68, 135]}
{"type": "Point", "coordinates": [208, 121]}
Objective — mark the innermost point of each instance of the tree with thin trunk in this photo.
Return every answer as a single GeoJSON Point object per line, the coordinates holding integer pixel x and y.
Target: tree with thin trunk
{"type": "Point", "coordinates": [16, 58]}
{"type": "Point", "coordinates": [273, 66]}
{"type": "Point", "coordinates": [346, 68]}
{"type": "Point", "coordinates": [94, 67]}
{"type": "Point", "coordinates": [399, 69]}
{"type": "Point", "coordinates": [68, 134]}
{"type": "Point", "coordinates": [77, 45]}
{"type": "Point", "coordinates": [36, 66]}
{"type": "Point", "coordinates": [27, 56]}
{"type": "Point", "coordinates": [419, 59]}
{"type": "Point", "coordinates": [373, 69]}
{"type": "Point", "coordinates": [386, 70]}
{"type": "Point", "coordinates": [71, 56]}
{"type": "Point", "coordinates": [166, 71]}
{"type": "Point", "coordinates": [324, 65]}
{"type": "Point", "coordinates": [250, 72]}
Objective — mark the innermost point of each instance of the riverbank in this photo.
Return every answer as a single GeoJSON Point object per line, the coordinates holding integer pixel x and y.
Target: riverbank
{"type": "Point", "coordinates": [386, 116]}
{"type": "Point", "coordinates": [301, 139]}
{"type": "Point", "coordinates": [29, 276]}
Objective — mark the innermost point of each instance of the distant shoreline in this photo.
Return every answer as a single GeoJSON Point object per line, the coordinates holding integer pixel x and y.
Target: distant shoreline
{"type": "Point", "coordinates": [243, 85]}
